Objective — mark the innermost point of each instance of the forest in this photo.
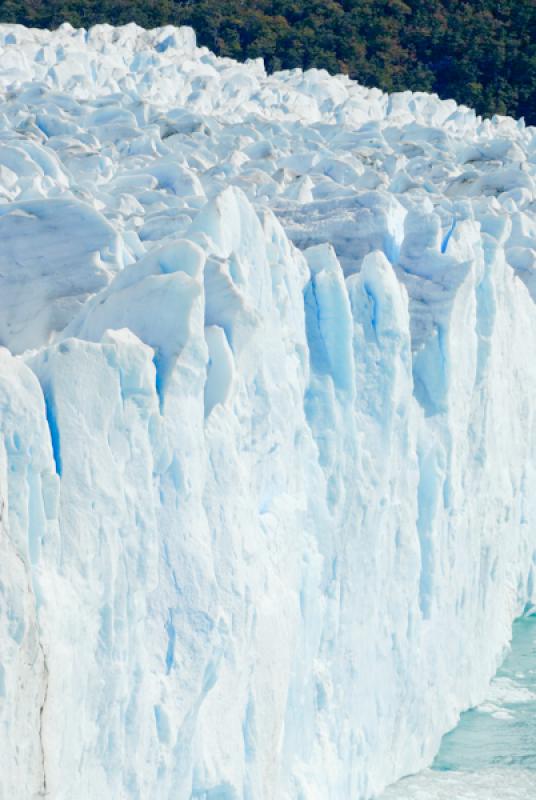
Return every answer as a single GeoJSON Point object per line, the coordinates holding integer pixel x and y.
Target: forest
{"type": "Point", "coordinates": [481, 53]}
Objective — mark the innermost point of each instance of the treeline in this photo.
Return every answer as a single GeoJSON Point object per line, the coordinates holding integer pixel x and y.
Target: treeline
{"type": "Point", "coordinates": [482, 53]}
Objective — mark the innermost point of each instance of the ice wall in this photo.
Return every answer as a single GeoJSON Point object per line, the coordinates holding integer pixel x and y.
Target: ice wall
{"type": "Point", "coordinates": [267, 448]}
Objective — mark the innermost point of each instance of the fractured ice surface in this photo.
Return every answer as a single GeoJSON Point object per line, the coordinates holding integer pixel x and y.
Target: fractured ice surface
{"type": "Point", "coordinates": [267, 452]}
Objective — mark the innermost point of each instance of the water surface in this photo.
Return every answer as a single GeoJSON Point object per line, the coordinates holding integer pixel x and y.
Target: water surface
{"type": "Point", "coordinates": [491, 754]}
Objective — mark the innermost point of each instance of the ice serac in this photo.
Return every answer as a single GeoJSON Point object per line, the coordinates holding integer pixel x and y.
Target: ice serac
{"type": "Point", "coordinates": [55, 254]}
{"type": "Point", "coordinates": [267, 437]}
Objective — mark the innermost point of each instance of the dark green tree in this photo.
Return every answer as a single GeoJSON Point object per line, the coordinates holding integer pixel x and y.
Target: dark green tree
{"type": "Point", "coordinates": [482, 53]}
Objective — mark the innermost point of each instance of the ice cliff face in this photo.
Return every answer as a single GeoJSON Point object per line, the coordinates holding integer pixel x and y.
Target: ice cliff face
{"type": "Point", "coordinates": [267, 454]}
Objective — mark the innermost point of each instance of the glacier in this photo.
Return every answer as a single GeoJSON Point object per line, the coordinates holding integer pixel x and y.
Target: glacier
{"type": "Point", "coordinates": [267, 431]}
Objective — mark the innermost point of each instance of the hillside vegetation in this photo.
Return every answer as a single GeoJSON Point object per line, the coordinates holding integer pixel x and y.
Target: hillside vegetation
{"type": "Point", "coordinates": [482, 53]}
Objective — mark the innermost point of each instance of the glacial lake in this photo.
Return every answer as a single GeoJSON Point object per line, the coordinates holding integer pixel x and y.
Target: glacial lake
{"type": "Point", "coordinates": [491, 754]}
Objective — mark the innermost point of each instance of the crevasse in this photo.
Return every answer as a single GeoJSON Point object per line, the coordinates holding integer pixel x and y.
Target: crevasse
{"type": "Point", "coordinates": [267, 440]}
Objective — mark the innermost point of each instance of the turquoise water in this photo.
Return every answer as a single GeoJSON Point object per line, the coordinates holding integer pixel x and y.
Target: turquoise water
{"type": "Point", "coordinates": [491, 754]}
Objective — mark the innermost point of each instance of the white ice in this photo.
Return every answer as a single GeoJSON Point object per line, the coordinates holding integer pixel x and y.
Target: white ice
{"type": "Point", "coordinates": [267, 433]}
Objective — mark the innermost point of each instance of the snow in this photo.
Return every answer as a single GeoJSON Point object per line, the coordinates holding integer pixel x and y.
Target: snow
{"type": "Point", "coordinates": [267, 442]}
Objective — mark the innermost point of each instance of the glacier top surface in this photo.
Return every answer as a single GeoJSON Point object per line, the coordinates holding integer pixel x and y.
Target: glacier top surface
{"type": "Point", "coordinates": [130, 132]}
